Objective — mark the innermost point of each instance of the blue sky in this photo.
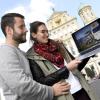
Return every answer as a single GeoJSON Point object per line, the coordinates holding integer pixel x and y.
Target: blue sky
{"type": "Point", "coordinates": [71, 6]}
{"type": "Point", "coordinates": [42, 9]}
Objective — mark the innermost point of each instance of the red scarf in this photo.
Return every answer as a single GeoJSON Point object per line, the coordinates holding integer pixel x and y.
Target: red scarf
{"type": "Point", "coordinates": [50, 52]}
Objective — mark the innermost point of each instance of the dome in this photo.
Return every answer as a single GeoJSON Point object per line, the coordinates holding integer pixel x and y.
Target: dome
{"type": "Point", "coordinates": [83, 6]}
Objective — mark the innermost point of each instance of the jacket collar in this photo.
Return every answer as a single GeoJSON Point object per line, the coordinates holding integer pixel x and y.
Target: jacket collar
{"type": "Point", "coordinates": [31, 54]}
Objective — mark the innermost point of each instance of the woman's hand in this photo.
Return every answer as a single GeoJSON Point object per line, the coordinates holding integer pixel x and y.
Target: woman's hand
{"type": "Point", "coordinates": [73, 64]}
{"type": "Point", "coordinates": [59, 40]}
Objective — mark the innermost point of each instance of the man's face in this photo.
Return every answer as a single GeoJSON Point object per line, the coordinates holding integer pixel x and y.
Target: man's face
{"type": "Point", "coordinates": [19, 34]}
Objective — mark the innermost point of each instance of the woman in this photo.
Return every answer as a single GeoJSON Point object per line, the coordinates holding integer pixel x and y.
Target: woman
{"type": "Point", "coordinates": [51, 62]}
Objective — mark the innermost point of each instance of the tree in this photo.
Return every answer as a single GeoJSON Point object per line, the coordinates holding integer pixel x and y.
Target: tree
{"type": "Point", "coordinates": [90, 72]}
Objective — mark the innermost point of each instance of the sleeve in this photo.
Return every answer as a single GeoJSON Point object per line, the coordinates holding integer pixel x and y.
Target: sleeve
{"type": "Point", "coordinates": [55, 77]}
{"type": "Point", "coordinates": [18, 81]}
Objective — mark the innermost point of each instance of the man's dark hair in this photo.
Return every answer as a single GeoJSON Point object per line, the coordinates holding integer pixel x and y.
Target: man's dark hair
{"type": "Point", "coordinates": [34, 28]}
{"type": "Point", "coordinates": [8, 20]}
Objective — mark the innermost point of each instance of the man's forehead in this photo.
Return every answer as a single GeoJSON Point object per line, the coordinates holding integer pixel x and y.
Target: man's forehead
{"type": "Point", "coordinates": [18, 19]}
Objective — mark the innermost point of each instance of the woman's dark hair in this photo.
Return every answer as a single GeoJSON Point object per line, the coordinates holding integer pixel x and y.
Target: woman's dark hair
{"type": "Point", "coordinates": [34, 28]}
{"type": "Point", "coordinates": [8, 20]}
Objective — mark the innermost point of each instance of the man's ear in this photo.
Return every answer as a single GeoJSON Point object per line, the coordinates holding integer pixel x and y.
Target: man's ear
{"type": "Point", "coordinates": [9, 30]}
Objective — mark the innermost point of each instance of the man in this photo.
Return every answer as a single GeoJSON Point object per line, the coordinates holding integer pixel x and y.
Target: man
{"type": "Point", "coordinates": [15, 76]}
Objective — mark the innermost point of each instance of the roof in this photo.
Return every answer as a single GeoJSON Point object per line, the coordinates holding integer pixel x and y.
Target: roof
{"type": "Point", "coordinates": [56, 13]}
{"type": "Point", "coordinates": [83, 6]}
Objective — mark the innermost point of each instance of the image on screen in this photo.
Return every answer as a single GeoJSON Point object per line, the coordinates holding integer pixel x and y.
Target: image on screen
{"type": "Point", "coordinates": [88, 37]}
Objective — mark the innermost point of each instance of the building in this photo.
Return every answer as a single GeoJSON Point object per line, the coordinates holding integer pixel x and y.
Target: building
{"type": "Point", "coordinates": [61, 25]}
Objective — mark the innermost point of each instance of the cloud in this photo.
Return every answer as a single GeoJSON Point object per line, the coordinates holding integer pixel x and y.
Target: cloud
{"type": "Point", "coordinates": [19, 9]}
{"type": "Point", "coordinates": [40, 10]}
{"type": "Point", "coordinates": [36, 10]}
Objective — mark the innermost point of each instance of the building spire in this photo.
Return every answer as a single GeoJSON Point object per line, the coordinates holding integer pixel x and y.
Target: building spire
{"type": "Point", "coordinates": [53, 9]}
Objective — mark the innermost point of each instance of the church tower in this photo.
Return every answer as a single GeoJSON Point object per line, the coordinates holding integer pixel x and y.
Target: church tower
{"type": "Point", "coordinates": [86, 13]}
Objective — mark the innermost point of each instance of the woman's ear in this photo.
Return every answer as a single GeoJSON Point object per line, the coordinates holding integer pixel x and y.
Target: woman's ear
{"type": "Point", "coordinates": [34, 35]}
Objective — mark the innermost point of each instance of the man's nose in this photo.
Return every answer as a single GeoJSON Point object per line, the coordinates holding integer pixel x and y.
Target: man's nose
{"type": "Point", "coordinates": [26, 30]}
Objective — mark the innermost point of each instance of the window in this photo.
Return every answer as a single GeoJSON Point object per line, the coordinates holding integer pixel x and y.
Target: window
{"type": "Point", "coordinates": [99, 63]}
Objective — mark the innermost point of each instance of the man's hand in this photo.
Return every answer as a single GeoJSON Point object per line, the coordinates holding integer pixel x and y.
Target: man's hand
{"type": "Point", "coordinates": [61, 88]}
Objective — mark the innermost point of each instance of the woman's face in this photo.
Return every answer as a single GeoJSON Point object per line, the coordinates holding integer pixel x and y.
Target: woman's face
{"type": "Point", "coordinates": [42, 34]}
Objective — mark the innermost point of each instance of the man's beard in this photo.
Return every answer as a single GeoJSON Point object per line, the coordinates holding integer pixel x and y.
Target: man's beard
{"type": "Point", "coordinates": [20, 38]}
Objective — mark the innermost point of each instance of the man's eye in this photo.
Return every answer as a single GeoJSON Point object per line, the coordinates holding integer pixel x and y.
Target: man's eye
{"type": "Point", "coordinates": [21, 27]}
{"type": "Point", "coordinates": [45, 31]}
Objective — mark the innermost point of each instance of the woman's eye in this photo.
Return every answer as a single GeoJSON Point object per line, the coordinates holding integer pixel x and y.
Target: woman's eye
{"type": "Point", "coordinates": [44, 31]}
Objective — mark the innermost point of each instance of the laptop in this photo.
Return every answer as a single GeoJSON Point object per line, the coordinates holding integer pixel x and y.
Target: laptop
{"type": "Point", "coordinates": [87, 39]}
